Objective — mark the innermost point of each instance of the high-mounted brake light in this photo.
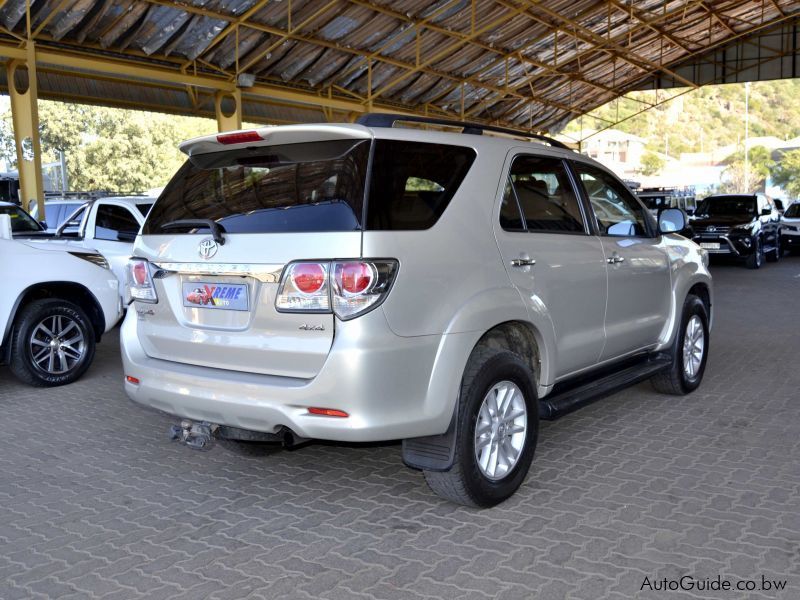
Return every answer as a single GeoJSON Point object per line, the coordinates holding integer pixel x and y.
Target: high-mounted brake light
{"type": "Point", "coordinates": [239, 137]}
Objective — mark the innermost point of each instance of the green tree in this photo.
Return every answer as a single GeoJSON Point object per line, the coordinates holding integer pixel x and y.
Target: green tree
{"type": "Point", "coordinates": [107, 148]}
{"type": "Point", "coordinates": [652, 164]}
{"type": "Point", "coordinates": [787, 173]}
{"type": "Point", "coordinates": [761, 164]}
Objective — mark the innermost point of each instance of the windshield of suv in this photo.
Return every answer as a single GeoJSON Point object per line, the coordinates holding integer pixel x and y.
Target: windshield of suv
{"type": "Point", "coordinates": [313, 187]}
{"type": "Point", "coordinates": [715, 206]}
{"type": "Point", "coordinates": [793, 212]}
{"type": "Point", "coordinates": [21, 222]}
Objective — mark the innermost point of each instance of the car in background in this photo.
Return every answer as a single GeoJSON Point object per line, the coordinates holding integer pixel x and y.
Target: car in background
{"type": "Point", "coordinates": [743, 226]}
{"type": "Point", "coordinates": [108, 226]}
{"type": "Point", "coordinates": [790, 229]}
{"type": "Point", "coordinates": [56, 304]}
{"type": "Point", "coordinates": [56, 211]}
{"type": "Point", "coordinates": [21, 221]}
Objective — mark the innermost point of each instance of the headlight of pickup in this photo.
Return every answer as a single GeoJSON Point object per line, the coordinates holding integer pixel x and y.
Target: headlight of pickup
{"type": "Point", "coordinates": [93, 257]}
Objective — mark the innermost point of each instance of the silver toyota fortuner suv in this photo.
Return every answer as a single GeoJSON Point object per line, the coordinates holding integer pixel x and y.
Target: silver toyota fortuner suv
{"type": "Point", "coordinates": [365, 282]}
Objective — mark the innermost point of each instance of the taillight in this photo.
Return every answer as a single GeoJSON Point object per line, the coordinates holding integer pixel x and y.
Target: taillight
{"type": "Point", "coordinates": [360, 286]}
{"type": "Point", "coordinates": [308, 277]}
{"type": "Point", "coordinates": [140, 282]}
{"type": "Point", "coordinates": [348, 287]}
{"type": "Point", "coordinates": [304, 288]}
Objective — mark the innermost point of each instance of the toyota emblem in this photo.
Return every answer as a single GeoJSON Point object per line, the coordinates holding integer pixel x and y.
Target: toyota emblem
{"type": "Point", "coordinates": [207, 248]}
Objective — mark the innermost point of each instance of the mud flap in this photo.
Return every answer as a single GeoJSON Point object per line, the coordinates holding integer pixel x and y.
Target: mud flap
{"type": "Point", "coordinates": [432, 452]}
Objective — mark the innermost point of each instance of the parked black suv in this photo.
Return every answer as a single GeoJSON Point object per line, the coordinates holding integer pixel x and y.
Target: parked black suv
{"type": "Point", "coordinates": [739, 225]}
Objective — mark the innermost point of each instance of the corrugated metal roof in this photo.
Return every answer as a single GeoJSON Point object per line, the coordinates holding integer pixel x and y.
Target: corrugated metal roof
{"type": "Point", "coordinates": [519, 63]}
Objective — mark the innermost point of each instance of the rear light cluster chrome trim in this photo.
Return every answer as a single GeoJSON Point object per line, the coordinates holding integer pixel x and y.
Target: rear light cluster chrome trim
{"type": "Point", "coordinates": [265, 273]}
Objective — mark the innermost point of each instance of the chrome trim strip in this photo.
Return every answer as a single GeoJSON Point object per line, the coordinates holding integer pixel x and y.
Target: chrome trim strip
{"type": "Point", "coordinates": [266, 273]}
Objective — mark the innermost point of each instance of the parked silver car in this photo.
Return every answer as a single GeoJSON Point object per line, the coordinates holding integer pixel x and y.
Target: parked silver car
{"type": "Point", "coordinates": [366, 282]}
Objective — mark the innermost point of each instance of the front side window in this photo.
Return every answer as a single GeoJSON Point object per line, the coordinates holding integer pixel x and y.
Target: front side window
{"type": "Point", "coordinates": [618, 212]}
{"type": "Point", "coordinates": [540, 190]}
{"type": "Point", "coordinates": [115, 224]}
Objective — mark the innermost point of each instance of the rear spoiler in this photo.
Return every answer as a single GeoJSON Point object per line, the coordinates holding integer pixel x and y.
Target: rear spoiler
{"type": "Point", "coordinates": [273, 136]}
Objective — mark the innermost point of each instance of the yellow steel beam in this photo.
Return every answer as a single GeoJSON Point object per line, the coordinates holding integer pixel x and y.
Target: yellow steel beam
{"type": "Point", "coordinates": [25, 117]}
{"type": "Point", "coordinates": [232, 121]}
{"type": "Point", "coordinates": [290, 32]}
{"type": "Point", "coordinates": [232, 27]}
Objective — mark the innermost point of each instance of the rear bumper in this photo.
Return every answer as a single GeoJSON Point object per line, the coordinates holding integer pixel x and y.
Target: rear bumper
{"type": "Point", "coordinates": [392, 387]}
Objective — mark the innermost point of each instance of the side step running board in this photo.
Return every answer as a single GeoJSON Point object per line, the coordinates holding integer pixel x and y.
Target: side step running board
{"type": "Point", "coordinates": [564, 400]}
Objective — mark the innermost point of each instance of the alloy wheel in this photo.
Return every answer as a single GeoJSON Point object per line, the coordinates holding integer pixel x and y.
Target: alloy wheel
{"type": "Point", "coordinates": [500, 430]}
{"type": "Point", "coordinates": [694, 341]}
{"type": "Point", "coordinates": [57, 344]}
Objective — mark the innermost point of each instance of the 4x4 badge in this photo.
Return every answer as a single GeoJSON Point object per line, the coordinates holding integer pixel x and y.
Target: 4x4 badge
{"type": "Point", "coordinates": [207, 248]}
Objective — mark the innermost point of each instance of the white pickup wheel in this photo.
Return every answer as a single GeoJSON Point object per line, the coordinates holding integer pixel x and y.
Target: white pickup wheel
{"type": "Point", "coordinates": [53, 343]}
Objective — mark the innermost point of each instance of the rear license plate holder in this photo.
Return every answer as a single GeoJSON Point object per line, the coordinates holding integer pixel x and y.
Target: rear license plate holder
{"type": "Point", "coordinates": [216, 296]}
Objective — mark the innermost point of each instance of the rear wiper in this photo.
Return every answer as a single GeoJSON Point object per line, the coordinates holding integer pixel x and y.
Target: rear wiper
{"type": "Point", "coordinates": [216, 229]}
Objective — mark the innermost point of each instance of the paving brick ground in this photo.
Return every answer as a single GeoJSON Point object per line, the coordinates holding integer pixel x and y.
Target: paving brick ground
{"type": "Point", "coordinates": [96, 503]}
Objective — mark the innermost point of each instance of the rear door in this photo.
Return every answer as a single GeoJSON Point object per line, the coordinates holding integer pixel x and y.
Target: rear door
{"type": "Point", "coordinates": [639, 280]}
{"type": "Point", "coordinates": [276, 204]}
{"type": "Point", "coordinates": [553, 258]}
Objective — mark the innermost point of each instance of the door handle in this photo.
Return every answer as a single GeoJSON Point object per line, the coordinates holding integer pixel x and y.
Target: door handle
{"type": "Point", "coordinates": [614, 260]}
{"type": "Point", "coordinates": [523, 262]}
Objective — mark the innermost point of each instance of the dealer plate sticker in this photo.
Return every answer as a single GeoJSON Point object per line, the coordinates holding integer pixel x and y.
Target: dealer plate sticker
{"type": "Point", "coordinates": [710, 245]}
{"type": "Point", "coordinates": [225, 296]}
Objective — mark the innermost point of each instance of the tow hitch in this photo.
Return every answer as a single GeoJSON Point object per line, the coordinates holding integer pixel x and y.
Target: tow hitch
{"type": "Point", "coordinates": [198, 436]}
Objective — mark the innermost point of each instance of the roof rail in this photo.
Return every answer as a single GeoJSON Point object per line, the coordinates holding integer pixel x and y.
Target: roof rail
{"type": "Point", "coordinates": [388, 120]}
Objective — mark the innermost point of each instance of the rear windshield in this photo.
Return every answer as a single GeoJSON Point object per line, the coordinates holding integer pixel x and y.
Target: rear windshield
{"type": "Point", "coordinates": [727, 205]}
{"type": "Point", "coordinates": [313, 187]}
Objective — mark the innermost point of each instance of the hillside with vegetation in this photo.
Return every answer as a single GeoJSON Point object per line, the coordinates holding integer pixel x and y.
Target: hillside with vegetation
{"type": "Point", "coordinates": [706, 120]}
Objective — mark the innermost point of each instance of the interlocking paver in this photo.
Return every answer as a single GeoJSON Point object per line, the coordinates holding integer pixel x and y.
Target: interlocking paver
{"type": "Point", "coordinates": [96, 503]}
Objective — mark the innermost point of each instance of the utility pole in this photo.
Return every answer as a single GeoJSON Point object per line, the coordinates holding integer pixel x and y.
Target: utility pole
{"type": "Point", "coordinates": [747, 137]}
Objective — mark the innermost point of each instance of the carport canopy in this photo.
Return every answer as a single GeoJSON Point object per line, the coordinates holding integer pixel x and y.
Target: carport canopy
{"type": "Point", "coordinates": [526, 64]}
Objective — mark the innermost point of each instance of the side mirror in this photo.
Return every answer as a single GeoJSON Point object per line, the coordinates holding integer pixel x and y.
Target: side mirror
{"type": "Point", "coordinates": [43, 224]}
{"type": "Point", "coordinates": [766, 211]}
{"type": "Point", "coordinates": [672, 220]}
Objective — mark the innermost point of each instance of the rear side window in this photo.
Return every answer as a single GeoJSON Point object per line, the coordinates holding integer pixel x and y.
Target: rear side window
{"type": "Point", "coordinates": [305, 187]}
{"type": "Point", "coordinates": [412, 183]}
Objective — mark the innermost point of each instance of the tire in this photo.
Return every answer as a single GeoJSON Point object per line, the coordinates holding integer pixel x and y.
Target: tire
{"type": "Point", "coordinates": [467, 482]}
{"type": "Point", "coordinates": [756, 259]}
{"type": "Point", "coordinates": [31, 328]}
{"type": "Point", "coordinates": [775, 254]}
{"type": "Point", "coordinates": [676, 380]}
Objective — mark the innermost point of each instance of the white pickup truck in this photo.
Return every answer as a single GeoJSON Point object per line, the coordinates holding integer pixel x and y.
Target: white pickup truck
{"type": "Point", "coordinates": [108, 226]}
{"type": "Point", "coordinates": [56, 303]}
